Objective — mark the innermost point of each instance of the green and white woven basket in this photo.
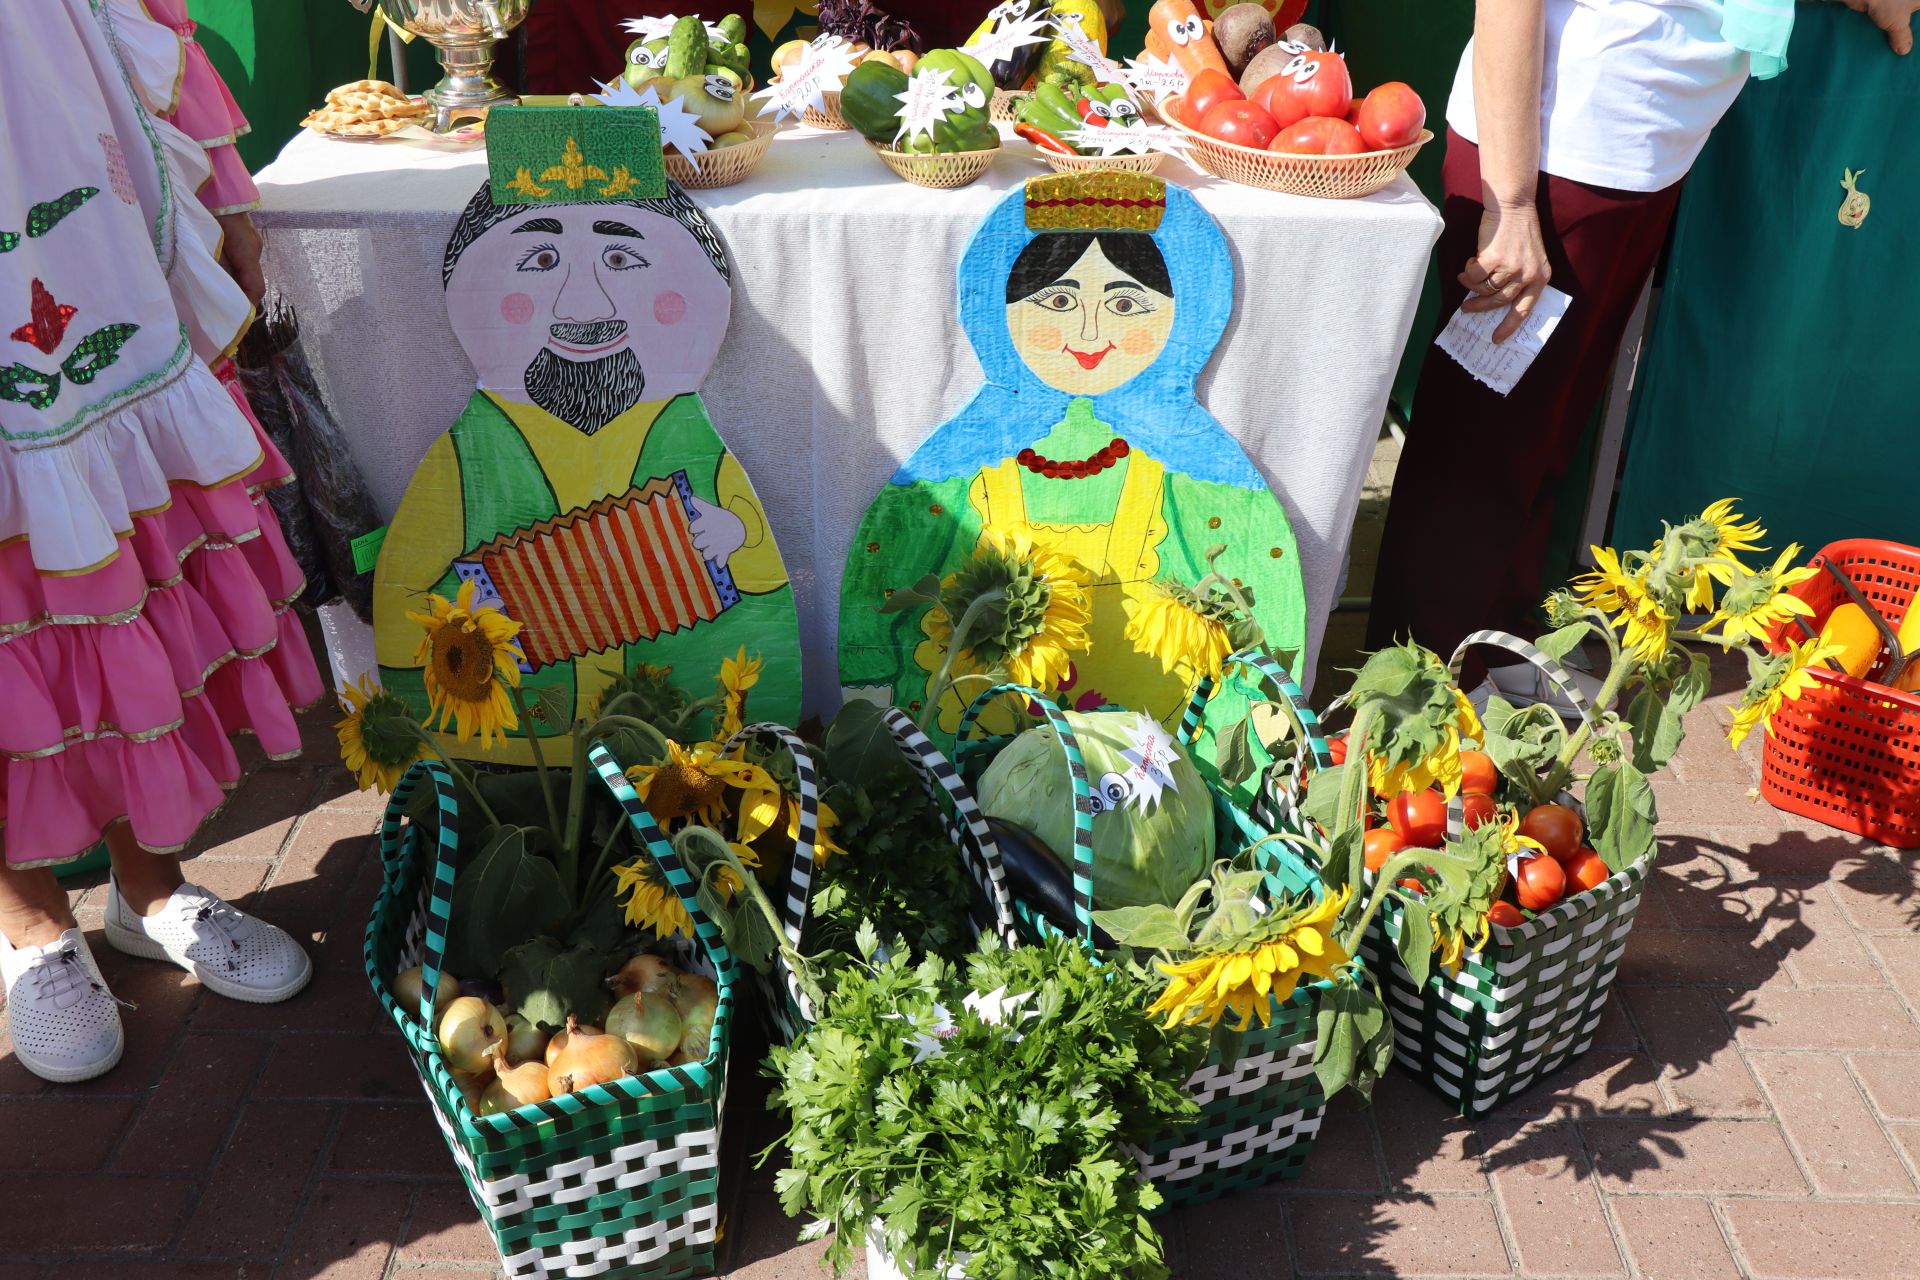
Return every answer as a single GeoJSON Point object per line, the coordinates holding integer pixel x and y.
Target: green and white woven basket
{"type": "Point", "coordinates": [1531, 1000]}
{"type": "Point", "coordinates": [616, 1180]}
{"type": "Point", "coordinates": [1260, 1102]}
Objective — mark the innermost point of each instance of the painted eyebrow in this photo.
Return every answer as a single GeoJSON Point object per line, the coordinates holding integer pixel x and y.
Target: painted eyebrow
{"type": "Point", "coordinates": [617, 229]}
{"type": "Point", "coordinates": [550, 226]}
{"type": "Point", "coordinates": [1125, 284]}
{"type": "Point", "coordinates": [1071, 284]}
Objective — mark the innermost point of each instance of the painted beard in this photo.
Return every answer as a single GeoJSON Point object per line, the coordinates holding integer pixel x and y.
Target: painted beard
{"type": "Point", "coordinates": [585, 394]}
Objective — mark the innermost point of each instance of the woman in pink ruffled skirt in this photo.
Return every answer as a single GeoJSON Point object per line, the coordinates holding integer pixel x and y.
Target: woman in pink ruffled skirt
{"type": "Point", "coordinates": [145, 591]}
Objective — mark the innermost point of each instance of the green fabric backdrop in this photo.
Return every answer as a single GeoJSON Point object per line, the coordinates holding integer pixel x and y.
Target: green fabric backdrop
{"type": "Point", "coordinates": [1780, 365]}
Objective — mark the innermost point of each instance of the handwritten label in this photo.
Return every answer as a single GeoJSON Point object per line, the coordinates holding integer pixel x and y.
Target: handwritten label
{"type": "Point", "coordinates": [1150, 758]}
{"type": "Point", "coordinates": [366, 549]}
{"type": "Point", "coordinates": [1008, 37]}
{"type": "Point", "coordinates": [1068, 30]}
{"type": "Point", "coordinates": [1132, 138]}
{"type": "Point", "coordinates": [929, 99]}
{"type": "Point", "coordinates": [1154, 77]}
{"type": "Point", "coordinates": [661, 28]}
{"type": "Point", "coordinates": [802, 87]}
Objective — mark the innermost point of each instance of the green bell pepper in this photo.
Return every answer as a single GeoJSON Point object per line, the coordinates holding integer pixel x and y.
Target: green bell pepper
{"type": "Point", "coordinates": [971, 127]}
{"type": "Point", "coordinates": [869, 100]}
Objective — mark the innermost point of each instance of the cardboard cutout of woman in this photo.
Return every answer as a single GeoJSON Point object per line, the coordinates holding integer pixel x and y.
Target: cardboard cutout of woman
{"type": "Point", "coordinates": [1093, 302]}
{"type": "Point", "coordinates": [583, 489]}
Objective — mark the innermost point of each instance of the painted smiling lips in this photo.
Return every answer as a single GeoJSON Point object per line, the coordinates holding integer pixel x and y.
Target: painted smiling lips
{"type": "Point", "coordinates": [1089, 359]}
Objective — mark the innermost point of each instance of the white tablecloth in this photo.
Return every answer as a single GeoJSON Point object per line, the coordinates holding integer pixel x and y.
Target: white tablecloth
{"type": "Point", "coordinates": [845, 349]}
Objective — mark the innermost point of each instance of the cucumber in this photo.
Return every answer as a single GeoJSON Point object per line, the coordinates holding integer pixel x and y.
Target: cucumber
{"type": "Point", "coordinates": [735, 26]}
{"type": "Point", "coordinates": [686, 48]}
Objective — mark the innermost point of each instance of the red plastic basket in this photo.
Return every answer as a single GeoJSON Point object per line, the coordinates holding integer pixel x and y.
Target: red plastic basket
{"type": "Point", "coordinates": [1847, 751]}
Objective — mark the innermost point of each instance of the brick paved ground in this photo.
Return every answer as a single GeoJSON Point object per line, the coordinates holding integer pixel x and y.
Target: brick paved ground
{"type": "Point", "coordinates": [1751, 1108]}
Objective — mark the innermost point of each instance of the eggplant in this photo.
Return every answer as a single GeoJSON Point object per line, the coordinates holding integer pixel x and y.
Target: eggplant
{"type": "Point", "coordinates": [483, 989]}
{"type": "Point", "coordinates": [1038, 878]}
{"type": "Point", "coordinates": [1013, 71]}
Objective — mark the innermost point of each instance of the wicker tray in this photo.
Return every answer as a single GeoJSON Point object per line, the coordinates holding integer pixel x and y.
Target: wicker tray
{"type": "Point", "coordinates": [1006, 104]}
{"type": "Point", "coordinates": [1148, 163]}
{"type": "Point", "coordinates": [939, 169]}
{"type": "Point", "coordinates": [1329, 177]}
{"type": "Point", "coordinates": [726, 166]}
{"type": "Point", "coordinates": [828, 117]}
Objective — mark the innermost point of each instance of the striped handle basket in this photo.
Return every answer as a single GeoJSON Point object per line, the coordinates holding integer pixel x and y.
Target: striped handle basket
{"type": "Point", "coordinates": [792, 1012]}
{"type": "Point", "coordinates": [620, 1179]}
{"type": "Point", "coordinates": [1531, 999]}
{"type": "Point", "coordinates": [1260, 1101]}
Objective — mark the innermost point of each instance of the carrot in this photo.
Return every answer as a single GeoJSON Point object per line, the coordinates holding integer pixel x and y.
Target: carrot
{"type": "Point", "coordinates": [1195, 51]}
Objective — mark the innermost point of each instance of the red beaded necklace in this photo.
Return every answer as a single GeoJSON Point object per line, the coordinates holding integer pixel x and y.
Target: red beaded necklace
{"type": "Point", "coordinates": [1107, 456]}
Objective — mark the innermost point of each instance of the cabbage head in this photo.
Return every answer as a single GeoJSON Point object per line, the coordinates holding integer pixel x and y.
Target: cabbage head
{"type": "Point", "coordinates": [1153, 819]}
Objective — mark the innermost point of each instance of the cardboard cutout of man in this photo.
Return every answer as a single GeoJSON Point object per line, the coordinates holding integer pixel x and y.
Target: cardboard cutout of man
{"type": "Point", "coordinates": [583, 489]}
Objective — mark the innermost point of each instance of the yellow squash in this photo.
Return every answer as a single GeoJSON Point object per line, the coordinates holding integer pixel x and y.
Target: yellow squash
{"type": "Point", "coordinates": [1849, 627]}
{"type": "Point", "coordinates": [1057, 53]}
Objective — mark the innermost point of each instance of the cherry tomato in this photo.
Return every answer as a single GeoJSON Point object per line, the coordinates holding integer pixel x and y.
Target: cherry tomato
{"type": "Point", "coordinates": [1504, 913]}
{"type": "Point", "coordinates": [1337, 748]}
{"type": "Point", "coordinates": [1420, 817]}
{"type": "Point", "coordinates": [1555, 826]}
{"type": "Point", "coordinates": [1320, 136]}
{"type": "Point", "coordinates": [1540, 883]}
{"type": "Point", "coordinates": [1240, 122]}
{"type": "Point", "coordinates": [1477, 809]}
{"type": "Point", "coordinates": [1391, 116]}
{"type": "Point", "coordinates": [1313, 83]}
{"type": "Point", "coordinates": [1585, 870]}
{"type": "Point", "coordinates": [1207, 90]}
{"type": "Point", "coordinates": [1478, 776]}
{"type": "Point", "coordinates": [1382, 843]}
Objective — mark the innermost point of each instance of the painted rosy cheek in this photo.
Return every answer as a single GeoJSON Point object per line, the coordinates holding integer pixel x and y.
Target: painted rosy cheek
{"type": "Point", "coordinates": [669, 307]}
{"type": "Point", "coordinates": [1045, 337]}
{"type": "Point", "coordinates": [516, 308]}
{"type": "Point", "coordinates": [1138, 343]}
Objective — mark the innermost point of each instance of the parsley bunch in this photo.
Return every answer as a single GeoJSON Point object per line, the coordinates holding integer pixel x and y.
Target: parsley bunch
{"type": "Point", "coordinates": [900, 872]}
{"type": "Point", "coordinates": [995, 1131]}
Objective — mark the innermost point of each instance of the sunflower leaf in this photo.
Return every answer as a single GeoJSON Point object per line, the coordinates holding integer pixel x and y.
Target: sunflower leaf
{"type": "Point", "coordinates": [1657, 730]}
{"type": "Point", "coordinates": [1235, 759]}
{"type": "Point", "coordinates": [925, 591]}
{"type": "Point", "coordinates": [1154, 927]}
{"type": "Point", "coordinates": [859, 749]}
{"type": "Point", "coordinates": [1416, 941]}
{"type": "Point", "coordinates": [1322, 804]}
{"type": "Point", "coordinates": [1338, 1041]}
{"type": "Point", "coordinates": [552, 705]}
{"type": "Point", "coordinates": [1691, 686]}
{"type": "Point", "coordinates": [1620, 815]}
{"type": "Point", "coordinates": [1558, 644]}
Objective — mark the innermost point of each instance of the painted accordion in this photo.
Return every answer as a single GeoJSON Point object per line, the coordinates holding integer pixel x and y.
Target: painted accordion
{"type": "Point", "coordinates": [619, 571]}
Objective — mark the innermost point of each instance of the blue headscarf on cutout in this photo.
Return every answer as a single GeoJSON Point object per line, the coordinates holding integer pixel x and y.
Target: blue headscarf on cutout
{"type": "Point", "coordinates": [1156, 410]}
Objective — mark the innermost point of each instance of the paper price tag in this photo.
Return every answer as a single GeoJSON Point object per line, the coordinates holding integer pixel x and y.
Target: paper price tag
{"type": "Point", "coordinates": [661, 28]}
{"type": "Point", "coordinates": [929, 99]}
{"type": "Point", "coordinates": [366, 549]}
{"type": "Point", "coordinates": [1154, 77]}
{"type": "Point", "coordinates": [1008, 37]}
{"type": "Point", "coordinates": [1127, 139]}
{"type": "Point", "coordinates": [822, 69]}
{"type": "Point", "coordinates": [1067, 29]}
{"type": "Point", "coordinates": [679, 127]}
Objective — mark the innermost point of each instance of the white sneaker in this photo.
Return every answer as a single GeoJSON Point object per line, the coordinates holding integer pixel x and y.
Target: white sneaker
{"type": "Point", "coordinates": [65, 1023]}
{"type": "Point", "coordinates": [232, 953]}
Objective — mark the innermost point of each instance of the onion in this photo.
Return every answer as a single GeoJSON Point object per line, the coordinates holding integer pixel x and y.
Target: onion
{"type": "Point", "coordinates": [696, 1033]}
{"type": "Point", "coordinates": [473, 1087]}
{"type": "Point", "coordinates": [470, 1031]}
{"type": "Point", "coordinates": [694, 989]}
{"type": "Point", "coordinates": [645, 972]}
{"type": "Point", "coordinates": [514, 1087]}
{"type": "Point", "coordinates": [406, 991]}
{"type": "Point", "coordinates": [562, 1038]}
{"type": "Point", "coordinates": [526, 1042]}
{"type": "Point", "coordinates": [647, 1021]}
{"type": "Point", "coordinates": [588, 1058]}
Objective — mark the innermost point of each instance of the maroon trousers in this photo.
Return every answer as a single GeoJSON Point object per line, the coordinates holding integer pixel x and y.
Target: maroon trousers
{"type": "Point", "coordinates": [1473, 499]}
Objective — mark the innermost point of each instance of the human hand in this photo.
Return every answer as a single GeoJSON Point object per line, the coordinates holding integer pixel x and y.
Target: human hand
{"type": "Point", "coordinates": [1511, 268]}
{"type": "Point", "coordinates": [717, 532]}
{"type": "Point", "coordinates": [240, 254]}
{"type": "Point", "coordinates": [1895, 17]}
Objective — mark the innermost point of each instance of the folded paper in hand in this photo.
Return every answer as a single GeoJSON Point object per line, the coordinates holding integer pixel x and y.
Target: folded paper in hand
{"type": "Point", "coordinates": [1468, 338]}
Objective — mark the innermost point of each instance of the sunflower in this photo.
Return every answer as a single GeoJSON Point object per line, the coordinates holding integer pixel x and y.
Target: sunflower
{"type": "Point", "coordinates": [1758, 604]}
{"type": "Point", "coordinates": [737, 675]}
{"type": "Point", "coordinates": [1040, 618]}
{"type": "Point", "coordinates": [1441, 768]}
{"type": "Point", "coordinates": [1182, 630]}
{"type": "Point", "coordinates": [653, 904]}
{"type": "Point", "coordinates": [1262, 973]}
{"type": "Point", "coordinates": [1784, 679]}
{"type": "Point", "coordinates": [691, 785]}
{"type": "Point", "coordinates": [765, 812]}
{"type": "Point", "coordinates": [1626, 596]}
{"type": "Point", "coordinates": [1715, 536]}
{"type": "Point", "coordinates": [470, 661]}
{"type": "Point", "coordinates": [378, 741]}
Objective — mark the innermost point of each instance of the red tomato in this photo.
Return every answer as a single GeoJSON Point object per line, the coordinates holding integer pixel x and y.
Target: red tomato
{"type": "Point", "coordinates": [1206, 91]}
{"type": "Point", "coordinates": [1477, 809]}
{"type": "Point", "coordinates": [1240, 122]}
{"type": "Point", "coordinates": [1320, 136]}
{"type": "Point", "coordinates": [1337, 748]}
{"type": "Point", "coordinates": [1585, 870]}
{"type": "Point", "coordinates": [1391, 116]}
{"type": "Point", "coordinates": [1414, 887]}
{"type": "Point", "coordinates": [1506, 914]}
{"type": "Point", "coordinates": [1540, 883]}
{"type": "Point", "coordinates": [1353, 113]}
{"type": "Point", "coordinates": [1314, 83]}
{"type": "Point", "coordinates": [1420, 817]}
{"type": "Point", "coordinates": [1478, 777]}
{"type": "Point", "coordinates": [1382, 843]}
{"type": "Point", "coordinates": [1555, 826]}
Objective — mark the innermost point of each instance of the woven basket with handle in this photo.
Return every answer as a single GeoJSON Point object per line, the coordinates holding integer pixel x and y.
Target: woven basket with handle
{"type": "Point", "coordinates": [620, 1179]}
{"type": "Point", "coordinates": [1531, 999]}
{"type": "Point", "coordinates": [1260, 1101]}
